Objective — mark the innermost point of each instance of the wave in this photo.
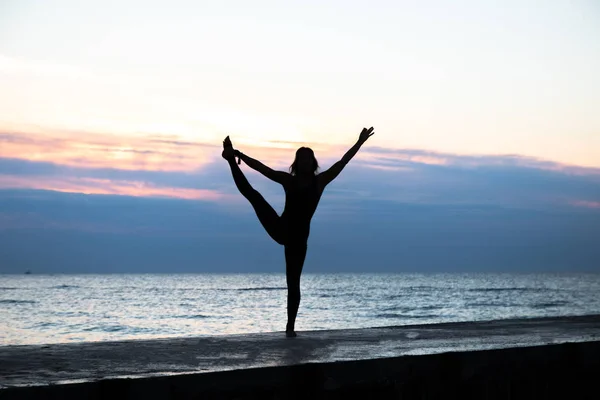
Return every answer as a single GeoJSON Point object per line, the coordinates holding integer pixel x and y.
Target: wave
{"type": "Point", "coordinates": [558, 303]}
{"type": "Point", "coordinates": [396, 296]}
{"type": "Point", "coordinates": [430, 308]}
{"type": "Point", "coordinates": [248, 289]}
{"type": "Point", "coordinates": [408, 309]}
{"type": "Point", "coordinates": [260, 288]}
{"type": "Point", "coordinates": [426, 287]}
{"type": "Point", "coordinates": [407, 295]}
{"type": "Point", "coordinates": [45, 324]}
{"type": "Point", "coordinates": [64, 287]}
{"type": "Point", "coordinates": [10, 301]}
{"type": "Point", "coordinates": [511, 289]}
{"type": "Point", "coordinates": [121, 329]}
{"type": "Point", "coordinates": [71, 313]}
{"type": "Point", "coordinates": [109, 328]}
{"type": "Point", "coordinates": [197, 316]}
{"type": "Point", "coordinates": [393, 315]}
{"type": "Point", "coordinates": [8, 288]}
{"type": "Point", "coordinates": [491, 304]}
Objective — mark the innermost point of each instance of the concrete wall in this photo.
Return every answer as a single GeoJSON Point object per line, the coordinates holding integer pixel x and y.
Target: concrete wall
{"type": "Point", "coordinates": [564, 371]}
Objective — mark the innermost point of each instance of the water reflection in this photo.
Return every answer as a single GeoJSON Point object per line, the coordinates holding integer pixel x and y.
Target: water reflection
{"type": "Point", "coordinates": [38, 309]}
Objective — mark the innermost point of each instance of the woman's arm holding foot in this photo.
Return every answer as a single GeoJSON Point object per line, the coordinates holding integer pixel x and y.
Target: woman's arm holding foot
{"type": "Point", "coordinates": [277, 176]}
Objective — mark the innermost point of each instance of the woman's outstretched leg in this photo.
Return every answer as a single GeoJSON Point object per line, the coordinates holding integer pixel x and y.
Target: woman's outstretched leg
{"type": "Point", "coordinates": [266, 214]}
{"type": "Point", "coordinates": [294, 261]}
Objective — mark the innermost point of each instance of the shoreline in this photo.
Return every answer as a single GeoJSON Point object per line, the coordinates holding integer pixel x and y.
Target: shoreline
{"type": "Point", "coordinates": [29, 369]}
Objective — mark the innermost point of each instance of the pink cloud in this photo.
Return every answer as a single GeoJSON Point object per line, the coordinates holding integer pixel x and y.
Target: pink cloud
{"type": "Point", "coordinates": [154, 152]}
{"type": "Point", "coordinates": [106, 186]}
{"type": "Point", "coordinates": [375, 154]}
{"type": "Point", "coordinates": [169, 153]}
{"type": "Point", "coordinates": [88, 150]}
{"type": "Point", "coordinates": [586, 204]}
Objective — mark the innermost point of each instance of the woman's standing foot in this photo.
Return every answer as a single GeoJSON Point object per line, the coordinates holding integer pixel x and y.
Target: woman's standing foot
{"type": "Point", "coordinates": [289, 331]}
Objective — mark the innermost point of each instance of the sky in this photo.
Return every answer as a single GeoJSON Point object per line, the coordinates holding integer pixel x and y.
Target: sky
{"type": "Point", "coordinates": [486, 154]}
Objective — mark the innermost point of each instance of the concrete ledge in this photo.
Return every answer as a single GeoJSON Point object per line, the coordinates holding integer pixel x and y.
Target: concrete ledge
{"type": "Point", "coordinates": [568, 371]}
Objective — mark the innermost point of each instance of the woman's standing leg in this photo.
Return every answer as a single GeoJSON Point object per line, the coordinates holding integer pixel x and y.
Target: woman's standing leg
{"type": "Point", "coordinates": [294, 261]}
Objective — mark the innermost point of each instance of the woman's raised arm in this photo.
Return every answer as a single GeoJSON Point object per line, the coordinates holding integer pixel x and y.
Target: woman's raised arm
{"type": "Point", "coordinates": [327, 176]}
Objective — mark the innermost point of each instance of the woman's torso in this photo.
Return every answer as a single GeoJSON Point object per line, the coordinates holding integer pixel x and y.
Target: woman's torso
{"type": "Point", "coordinates": [301, 199]}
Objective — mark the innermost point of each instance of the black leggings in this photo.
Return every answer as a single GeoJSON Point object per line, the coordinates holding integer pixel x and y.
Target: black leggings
{"type": "Point", "coordinates": [295, 251]}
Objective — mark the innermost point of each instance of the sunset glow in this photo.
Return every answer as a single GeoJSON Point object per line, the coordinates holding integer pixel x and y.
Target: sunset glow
{"type": "Point", "coordinates": [105, 186]}
{"type": "Point", "coordinates": [451, 85]}
{"type": "Point", "coordinates": [90, 150]}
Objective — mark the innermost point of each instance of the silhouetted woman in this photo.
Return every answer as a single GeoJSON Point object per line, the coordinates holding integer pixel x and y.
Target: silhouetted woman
{"type": "Point", "coordinates": [303, 188]}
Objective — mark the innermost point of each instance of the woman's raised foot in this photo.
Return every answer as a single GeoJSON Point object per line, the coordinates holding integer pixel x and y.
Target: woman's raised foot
{"type": "Point", "coordinates": [228, 152]}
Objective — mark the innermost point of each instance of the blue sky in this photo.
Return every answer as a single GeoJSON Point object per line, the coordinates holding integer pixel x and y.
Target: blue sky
{"type": "Point", "coordinates": [486, 153]}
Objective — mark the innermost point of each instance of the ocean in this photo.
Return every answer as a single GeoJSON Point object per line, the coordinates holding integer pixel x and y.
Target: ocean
{"type": "Point", "coordinates": [43, 309]}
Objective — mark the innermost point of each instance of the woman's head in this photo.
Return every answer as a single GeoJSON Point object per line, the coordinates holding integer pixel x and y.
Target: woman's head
{"type": "Point", "coordinates": [305, 162]}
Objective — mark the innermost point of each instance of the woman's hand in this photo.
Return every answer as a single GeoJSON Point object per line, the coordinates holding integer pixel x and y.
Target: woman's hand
{"type": "Point", "coordinates": [365, 134]}
{"type": "Point", "coordinates": [238, 154]}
